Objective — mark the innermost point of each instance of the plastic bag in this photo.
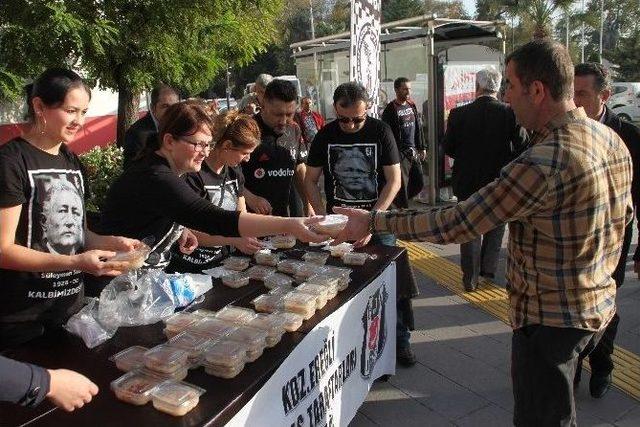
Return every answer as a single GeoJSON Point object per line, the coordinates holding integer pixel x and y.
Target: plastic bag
{"type": "Point", "coordinates": [188, 287]}
{"type": "Point", "coordinates": [86, 325]}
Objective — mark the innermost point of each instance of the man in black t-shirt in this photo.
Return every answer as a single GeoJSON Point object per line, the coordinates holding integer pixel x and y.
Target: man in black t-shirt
{"type": "Point", "coordinates": [361, 165]}
{"type": "Point", "coordinates": [279, 159]}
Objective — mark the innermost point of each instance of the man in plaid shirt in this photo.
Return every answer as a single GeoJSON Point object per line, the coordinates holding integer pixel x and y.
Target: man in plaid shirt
{"type": "Point", "coordinates": [567, 200]}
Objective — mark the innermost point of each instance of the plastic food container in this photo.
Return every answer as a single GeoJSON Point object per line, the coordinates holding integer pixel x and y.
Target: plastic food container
{"type": "Point", "coordinates": [236, 263]}
{"type": "Point", "coordinates": [283, 241]}
{"type": "Point", "coordinates": [236, 280]}
{"type": "Point", "coordinates": [330, 283]}
{"type": "Point", "coordinates": [355, 258]}
{"type": "Point", "coordinates": [259, 272]}
{"type": "Point", "coordinates": [225, 359]}
{"type": "Point", "coordinates": [331, 225]}
{"type": "Point", "coordinates": [179, 322]}
{"type": "Point", "coordinates": [132, 260]}
{"type": "Point", "coordinates": [319, 291]}
{"type": "Point", "coordinates": [266, 257]}
{"type": "Point", "coordinates": [165, 359]}
{"type": "Point", "coordinates": [255, 339]}
{"type": "Point", "coordinates": [292, 321]}
{"type": "Point", "coordinates": [176, 397]}
{"type": "Point", "coordinates": [267, 302]}
{"type": "Point", "coordinates": [307, 270]}
{"type": "Point", "coordinates": [211, 327]}
{"type": "Point", "coordinates": [178, 375]}
{"type": "Point", "coordinates": [193, 344]}
{"type": "Point", "coordinates": [234, 314]}
{"type": "Point", "coordinates": [289, 266]}
{"type": "Point", "coordinates": [278, 280]}
{"type": "Point", "coordinates": [129, 358]}
{"type": "Point", "coordinates": [318, 258]}
{"type": "Point", "coordinates": [301, 303]}
{"type": "Point", "coordinates": [203, 312]}
{"type": "Point", "coordinates": [274, 326]}
{"type": "Point", "coordinates": [342, 274]}
{"type": "Point", "coordinates": [135, 387]}
{"type": "Point", "coordinates": [341, 249]}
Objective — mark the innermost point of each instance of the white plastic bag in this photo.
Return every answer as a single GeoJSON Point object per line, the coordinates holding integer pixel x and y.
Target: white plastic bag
{"type": "Point", "coordinates": [85, 324]}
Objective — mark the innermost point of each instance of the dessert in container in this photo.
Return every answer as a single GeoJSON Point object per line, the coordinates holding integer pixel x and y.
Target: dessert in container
{"type": "Point", "coordinates": [260, 272]}
{"type": "Point", "coordinates": [283, 241]}
{"type": "Point", "coordinates": [267, 302]}
{"type": "Point", "coordinates": [330, 283]}
{"type": "Point", "coordinates": [289, 266]}
{"type": "Point", "coordinates": [355, 258]}
{"type": "Point", "coordinates": [266, 257]}
{"type": "Point", "coordinates": [319, 291]}
{"type": "Point", "coordinates": [254, 339]}
{"type": "Point", "coordinates": [307, 269]}
{"type": "Point", "coordinates": [131, 260]}
{"type": "Point", "coordinates": [343, 274]}
{"type": "Point", "coordinates": [225, 359]}
{"type": "Point", "coordinates": [166, 359]}
{"type": "Point", "coordinates": [331, 225]}
{"type": "Point", "coordinates": [236, 263]}
{"type": "Point", "coordinates": [301, 303]}
{"type": "Point", "coordinates": [129, 358]}
{"type": "Point", "coordinates": [193, 344]}
{"type": "Point", "coordinates": [341, 249]}
{"type": "Point", "coordinates": [292, 321]}
{"type": "Point", "coordinates": [318, 258]}
{"type": "Point", "coordinates": [176, 397]}
{"type": "Point", "coordinates": [236, 280]}
{"type": "Point", "coordinates": [274, 326]}
{"type": "Point", "coordinates": [179, 322]}
{"type": "Point", "coordinates": [212, 327]}
{"type": "Point", "coordinates": [278, 280]}
{"type": "Point", "coordinates": [135, 387]}
{"type": "Point", "coordinates": [203, 312]}
{"type": "Point", "coordinates": [235, 315]}
{"type": "Point", "coordinates": [178, 375]}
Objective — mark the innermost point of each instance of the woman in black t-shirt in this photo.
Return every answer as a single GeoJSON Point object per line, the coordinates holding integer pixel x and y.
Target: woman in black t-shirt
{"type": "Point", "coordinates": [44, 242]}
{"type": "Point", "coordinates": [222, 183]}
{"type": "Point", "coordinates": [151, 200]}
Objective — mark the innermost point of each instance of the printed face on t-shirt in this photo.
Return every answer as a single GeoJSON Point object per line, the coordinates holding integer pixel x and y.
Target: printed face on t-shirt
{"type": "Point", "coordinates": [63, 221]}
{"type": "Point", "coordinates": [353, 168]}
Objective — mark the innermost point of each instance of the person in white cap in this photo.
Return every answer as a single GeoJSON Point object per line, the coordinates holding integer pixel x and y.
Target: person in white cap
{"type": "Point", "coordinates": [482, 137]}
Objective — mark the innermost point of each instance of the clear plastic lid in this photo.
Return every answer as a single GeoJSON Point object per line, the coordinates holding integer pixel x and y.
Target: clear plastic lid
{"type": "Point", "coordinates": [165, 358]}
{"type": "Point", "coordinates": [203, 312]}
{"type": "Point", "coordinates": [290, 266]}
{"type": "Point", "coordinates": [355, 258]}
{"type": "Point", "coordinates": [269, 323]}
{"type": "Point", "coordinates": [331, 225]}
{"type": "Point", "coordinates": [181, 321]}
{"type": "Point", "coordinates": [135, 387]}
{"type": "Point", "coordinates": [235, 314]}
{"type": "Point", "coordinates": [340, 249]}
{"type": "Point", "coordinates": [254, 338]}
{"type": "Point", "coordinates": [318, 258]}
{"type": "Point", "coordinates": [132, 260]}
{"type": "Point", "coordinates": [267, 302]}
{"type": "Point", "coordinates": [226, 353]}
{"type": "Point", "coordinates": [283, 241]}
{"type": "Point", "coordinates": [192, 343]}
{"type": "Point", "coordinates": [236, 263]}
{"type": "Point", "coordinates": [309, 288]}
{"type": "Point", "coordinates": [236, 280]}
{"type": "Point", "coordinates": [278, 280]}
{"type": "Point", "coordinates": [308, 269]}
{"type": "Point", "coordinates": [293, 321]}
{"type": "Point", "coordinates": [259, 272]}
{"type": "Point", "coordinates": [266, 257]}
{"type": "Point", "coordinates": [211, 327]}
{"type": "Point", "coordinates": [177, 394]}
{"type": "Point", "coordinates": [330, 283]}
{"type": "Point", "coordinates": [179, 374]}
{"type": "Point", "coordinates": [129, 358]}
{"type": "Point", "coordinates": [299, 302]}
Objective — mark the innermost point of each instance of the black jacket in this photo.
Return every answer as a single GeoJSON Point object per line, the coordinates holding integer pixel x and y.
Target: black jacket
{"type": "Point", "coordinates": [136, 137]}
{"type": "Point", "coordinates": [482, 137]}
{"type": "Point", "coordinates": [22, 383]}
{"type": "Point", "coordinates": [390, 117]}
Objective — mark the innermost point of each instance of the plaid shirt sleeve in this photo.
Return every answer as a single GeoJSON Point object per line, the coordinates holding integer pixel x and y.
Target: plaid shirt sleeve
{"type": "Point", "coordinates": [520, 190]}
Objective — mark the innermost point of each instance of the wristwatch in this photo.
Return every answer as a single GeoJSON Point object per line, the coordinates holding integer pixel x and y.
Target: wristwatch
{"type": "Point", "coordinates": [372, 221]}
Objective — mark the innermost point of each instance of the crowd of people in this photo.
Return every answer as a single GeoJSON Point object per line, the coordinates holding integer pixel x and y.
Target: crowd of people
{"type": "Point", "coordinates": [549, 159]}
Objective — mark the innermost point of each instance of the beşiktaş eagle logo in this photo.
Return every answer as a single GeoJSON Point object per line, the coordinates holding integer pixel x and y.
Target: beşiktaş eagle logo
{"type": "Point", "coordinates": [374, 321]}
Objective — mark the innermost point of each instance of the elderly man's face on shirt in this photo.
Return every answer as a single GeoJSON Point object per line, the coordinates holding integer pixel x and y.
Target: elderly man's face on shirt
{"type": "Point", "coordinates": [62, 222]}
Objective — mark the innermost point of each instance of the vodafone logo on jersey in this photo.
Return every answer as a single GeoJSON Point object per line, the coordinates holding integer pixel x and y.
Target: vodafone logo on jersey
{"type": "Point", "coordinates": [259, 173]}
{"type": "Point", "coordinates": [281, 173]}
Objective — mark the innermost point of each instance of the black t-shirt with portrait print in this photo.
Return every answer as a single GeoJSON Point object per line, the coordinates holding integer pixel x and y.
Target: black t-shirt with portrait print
{"type": "Point", "coordinates": [270, 169]}
{"type": "Point", "coordinates": [222, 190]}
{"type": "Point", "coordinates": [353, 163]}
{"type": "Point", "coordinates": [51, 191]}
{"type": "Point", "coordinates": [149, 201]}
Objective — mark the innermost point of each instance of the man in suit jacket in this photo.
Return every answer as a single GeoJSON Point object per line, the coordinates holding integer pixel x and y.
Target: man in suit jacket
{"type": "Point", "coordinates": [591, 92]}
{"type": "Point", "coordinates": [482, 137]}
{"type": "Point", "coordinates": [162, 97]}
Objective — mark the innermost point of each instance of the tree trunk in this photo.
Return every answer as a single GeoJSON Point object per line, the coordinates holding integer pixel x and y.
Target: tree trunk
{"type": "Point", "coordinates": [127, 111]}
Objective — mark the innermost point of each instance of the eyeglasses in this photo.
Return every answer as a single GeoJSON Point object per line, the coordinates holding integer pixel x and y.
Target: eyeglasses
{"type": "Point", "coordinates": [355, 120]}
{"type": "Point", "coordinates": [198, 146]}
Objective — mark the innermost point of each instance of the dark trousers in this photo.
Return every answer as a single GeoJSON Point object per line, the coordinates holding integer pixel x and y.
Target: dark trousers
{"type": "Point", "coordinates": [480, 255]}
{"type": "Point", "coordinates": [543, 364]}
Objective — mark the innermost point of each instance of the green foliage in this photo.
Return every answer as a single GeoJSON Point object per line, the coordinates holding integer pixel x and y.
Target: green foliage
{"type": "Point", "coordinates": [103, 166]}
{"type": "Point", "coordinates": [393, 10]}
{"type": "Point", "coordinates": [627, 56]}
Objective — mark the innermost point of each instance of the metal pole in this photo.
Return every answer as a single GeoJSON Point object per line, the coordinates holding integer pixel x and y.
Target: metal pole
{"type": "Point", "coordinates": [431, 114]}
{"type": "Point", "coordinates": [315, 57]}
{"type": "Point", "coordinates": [228, 89]}
{"type": "Point", "coordinates": [601, 29]}
{"type": "Point", "coordinates": [582, 37]}
{"type": "Point", "coordinates": [567, 27]}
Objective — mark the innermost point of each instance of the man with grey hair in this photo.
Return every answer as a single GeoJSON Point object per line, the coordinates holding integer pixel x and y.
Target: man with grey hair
{"type": "Point", "coordinates": [257, 95]}
{"type": "Point", "coordinates": [482, 137]}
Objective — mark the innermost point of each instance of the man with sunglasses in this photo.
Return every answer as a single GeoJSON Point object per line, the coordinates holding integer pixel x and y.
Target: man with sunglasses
{"type": "Point", "coordinates": [361, 165]}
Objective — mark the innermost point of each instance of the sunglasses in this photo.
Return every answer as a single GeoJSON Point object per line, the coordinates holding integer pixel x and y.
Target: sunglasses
{"type": "Point", "coordinates": [355, 120]}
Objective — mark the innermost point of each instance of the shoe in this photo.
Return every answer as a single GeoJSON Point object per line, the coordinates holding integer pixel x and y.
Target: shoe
{"type": "Point", "coordinates": [469, 287]}
{"type": "Point", "coordinates": [489, 276]}
{"type": "Point", "coordinates": [405, 357]}
{"type": "Point", "coordinates": [599, 385]}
